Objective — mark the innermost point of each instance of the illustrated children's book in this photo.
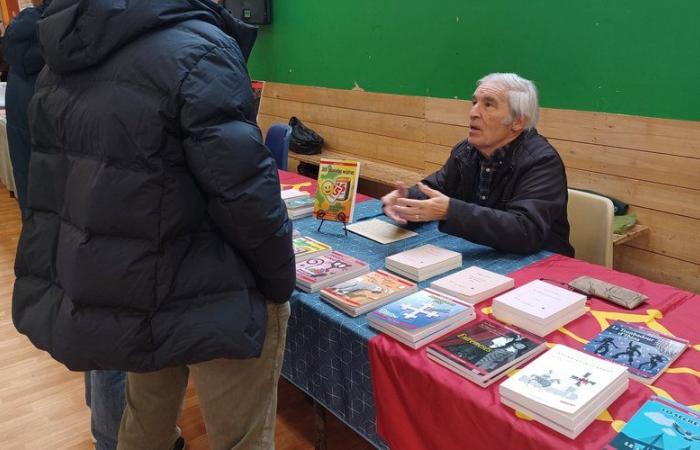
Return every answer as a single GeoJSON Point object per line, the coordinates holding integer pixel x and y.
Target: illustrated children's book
{"type": "Point", "coordinates": [326, 270]}
{"type": "Point", "coordinates": [645, 352]}
{"type": "Point", "coordinates": [660, 424]}
{"type": "Point", "coordinates": [337, 188]}
{"type": "Point", "coordinates": [305, 248]}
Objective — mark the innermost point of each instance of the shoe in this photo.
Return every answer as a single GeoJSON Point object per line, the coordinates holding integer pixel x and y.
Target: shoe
{"type": "Point", "coordinates": [179, 444]}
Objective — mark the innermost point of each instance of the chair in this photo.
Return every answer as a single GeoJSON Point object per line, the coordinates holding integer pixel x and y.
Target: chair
{"type": "Point", "coordinates": [277, 140]}
{"type": "Point", "coordinates": [591, 220]}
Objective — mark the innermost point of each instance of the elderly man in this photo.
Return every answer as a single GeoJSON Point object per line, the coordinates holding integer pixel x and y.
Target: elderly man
{"type": "Point", "coordinates": [504, 186]}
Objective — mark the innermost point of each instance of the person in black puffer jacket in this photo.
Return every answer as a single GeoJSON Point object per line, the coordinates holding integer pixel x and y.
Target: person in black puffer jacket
{"type": "Point", "coordinates": [504, 186]}
{"type": "Point", "coordinates": [22, 51]}
{"type": "Point", "coordinates": [156, 240]}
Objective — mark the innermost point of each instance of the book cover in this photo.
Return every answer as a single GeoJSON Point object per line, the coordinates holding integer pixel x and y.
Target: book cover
{"type": "Point", "coordinates": [645, 352]}
{"type": "Point", "coordinates": [418, 310]}
{"type": "Point", "coordinates": [563, 379]}
{"type": "Point", "coordinates": [423, 256]}
{"type": "Point", "coordinates": [660, 424]}
{"type": "Point", "coordinates": [305, 247]}
{"type": "Point", "coordinates": [328, 266]}
{"type": "Point", "coordinates": [473, 284]}
{"type": "Point", "coordinates": [380, 231]}
{"type": "Point", "coordinates": [291, 194]}
{"type": "Point", "coordinates": [369, 288]}
{"type": "Point", "coordinates": [539, 299]}
{"type": "Point", "coordinates": [302, 202]}
{"type": "Point", "coordinates": [486, 346]}
{"type": "Point", "coordinates": [337, 188]}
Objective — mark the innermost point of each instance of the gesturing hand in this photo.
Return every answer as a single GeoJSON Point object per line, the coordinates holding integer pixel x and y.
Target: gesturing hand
{"type": "Point", "coordinates": [435, 207]}
{"type": "Point", "coordinates": [390, 200]}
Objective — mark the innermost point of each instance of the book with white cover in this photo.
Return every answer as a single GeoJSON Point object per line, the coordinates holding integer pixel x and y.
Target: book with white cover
{"type": "Point", "coordinates": [421, 317]}
{"type": "Point", "coordinates": [423, 262]}
{"type": "Point", "coordinates": [380, 231]}
{"type": "Point", "coordinates": [326, 270]}
{"type": "Point", "coordinates": [540, 301]}
{"type": "Point", "coordinates": [563, 383]}
{"type": "Point", "coordinates": [290, 194]}
{"type": "Point", "coordinates": [473, 284]}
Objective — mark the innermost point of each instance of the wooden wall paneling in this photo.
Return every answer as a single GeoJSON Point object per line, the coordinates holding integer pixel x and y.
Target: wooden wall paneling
{"type": "Point", "coordinates": [670, 234]}
{"type": "Point", "coordinates": [366, 145]}
{"type": "Point", "coordinates": [656, 267]}
{"type": "Point", "coordinates": [445, 134]}
{"type": "Point", "coordinates": [671, 137]}
{"type": "Point", "coordinates": [436, 154]}
{"type": "Point", "coordinates": [447, 111]}
{"type": "Point", "coordinates": [641, 165]}
{"type": "Point", "coordinates": [401, 127]}
{"type": "Point", "coordinates": [399, 105]}
{"type": "Point", "coordinates": [660, 197]}
{"type": "Point", "coordinates": [431, 168]}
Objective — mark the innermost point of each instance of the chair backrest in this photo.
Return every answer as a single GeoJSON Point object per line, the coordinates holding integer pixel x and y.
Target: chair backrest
{"type": "Point", "coordinates": [591, 220]}
{"type": "Point", "coordinates": [277, 140]}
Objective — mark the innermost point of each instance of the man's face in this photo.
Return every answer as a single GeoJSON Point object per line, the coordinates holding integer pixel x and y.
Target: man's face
{"type": "Point", "coordinates": [490, 122]}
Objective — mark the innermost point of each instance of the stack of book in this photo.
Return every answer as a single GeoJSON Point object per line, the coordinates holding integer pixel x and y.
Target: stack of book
{"type": "Point", "coordinates": [300, 207]}
{"type": "Point", "coordinates": [367, 292]}
{"type": "Point", "coordinates": [291, 194]}
{"type": "Point", "coordinates": [423, 262]}
{"type": "Point", "coordinates": [539, 307]}
{"type": "Point", "coordinates": [644, 352]}
{"type": "Point", "coordinates": [322, 271]}
{"type": "Point", "coordinates": [473, 284]}
{"type": "Point", "coordinates": [485, 351]}
{"type": "Point", "coordinates": [421, 317]}
{"type": "Point", "coordinates": [660, 424]}
{"type": "Point", "coordinates": [565, 389]}
{"type": "Point", "coordinates": [307, 248]}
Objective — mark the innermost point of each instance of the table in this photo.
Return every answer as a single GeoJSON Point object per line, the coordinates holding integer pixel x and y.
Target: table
{"type": "Point", "coordinates": [409, 388]}
{"type": "Point", "coordinates": [327, 352]}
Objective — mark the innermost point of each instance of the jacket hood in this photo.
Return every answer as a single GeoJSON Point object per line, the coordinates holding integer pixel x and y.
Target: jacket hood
{"type": "Point", "coordinates": [77, 34]}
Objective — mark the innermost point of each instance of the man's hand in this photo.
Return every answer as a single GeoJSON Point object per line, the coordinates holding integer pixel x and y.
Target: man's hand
{"type": "Point", "coordinates": [390, 201]}
{"type": "Point", "coordinates": [434, 208]}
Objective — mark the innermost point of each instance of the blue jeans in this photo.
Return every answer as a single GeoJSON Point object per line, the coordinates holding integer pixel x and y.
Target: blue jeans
{"type": "Point", "coordinates": [105, 395]}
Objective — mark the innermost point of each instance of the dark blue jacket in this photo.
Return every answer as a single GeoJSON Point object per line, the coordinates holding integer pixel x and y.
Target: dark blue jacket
{"type": "Point", "coordinates": [22, 51]}
{"type": "Point", "coordinates": [156, 229]}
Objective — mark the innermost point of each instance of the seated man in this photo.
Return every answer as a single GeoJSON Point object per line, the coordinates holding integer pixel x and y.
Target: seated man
{"type": "Point", "coordinates": [504, 186]}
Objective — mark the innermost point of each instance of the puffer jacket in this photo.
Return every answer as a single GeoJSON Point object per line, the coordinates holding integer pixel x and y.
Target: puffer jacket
{"type": "Point", "coordinates": [526, 208]}
{"type": "Point", "coordinates": [155, 230]}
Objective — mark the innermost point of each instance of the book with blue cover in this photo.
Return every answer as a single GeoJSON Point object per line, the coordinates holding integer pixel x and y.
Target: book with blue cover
{"type": "Point", "coordinates": [421, 317]}
{"type": "Point", "coordinates": [660, 424]}
{"type": "Point", "coordinates": [644, 352]}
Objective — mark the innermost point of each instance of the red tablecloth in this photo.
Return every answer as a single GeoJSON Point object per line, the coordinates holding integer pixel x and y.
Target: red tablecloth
{"type": "Point", "coordinates": [421, 405]}
{"type": "Point", "coordinates": [290, 180]}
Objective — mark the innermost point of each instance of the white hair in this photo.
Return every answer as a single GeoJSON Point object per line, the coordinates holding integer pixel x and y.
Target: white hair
{"type": "Point", "coordinates": [522, 96]}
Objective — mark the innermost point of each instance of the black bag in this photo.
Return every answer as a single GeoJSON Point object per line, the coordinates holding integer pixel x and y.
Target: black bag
{"type": "Point", "coordinates": [304, 140]}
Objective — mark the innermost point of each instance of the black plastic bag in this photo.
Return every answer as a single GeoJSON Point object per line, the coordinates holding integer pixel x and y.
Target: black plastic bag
{"type": "Point", "coordinates": [304, 140]}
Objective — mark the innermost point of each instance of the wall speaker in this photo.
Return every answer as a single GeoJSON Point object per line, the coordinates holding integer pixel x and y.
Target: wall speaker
{"type": "Point", "coordinates": [256, 12]}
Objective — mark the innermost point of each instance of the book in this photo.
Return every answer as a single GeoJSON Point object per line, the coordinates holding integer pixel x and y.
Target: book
{"type": "Point", "coordinates": [565, 389]}
{"type": "Point", "coordinates": [660, 424]}
{"type": "Point", "coordinates": [473, 284]}
{"type": "Point", "coordinates": [326, 270]}
{"type": "Point", "coordinates": [306, 247]}
{"type": "Point", "coordinates": [423, 262]}
{"type": "Point", "coordinates": [337, 188]}
{"type": "Point", "coordinates": [292, 194]}
{"type": "Point", "coordinates": [367, 292]}
{"type": "Point", "coordinates": [485, 350]}
{"type": "Point", "coordinates": [380, 231]}
{"type": "Point", "coordinates": [300, 207]}
{"type": "Point", "coordinates": [421, 317]}
{"type": "Point", "coordinates": [644, 352]}
{"type": "Point", "coordinates": [539, 307]}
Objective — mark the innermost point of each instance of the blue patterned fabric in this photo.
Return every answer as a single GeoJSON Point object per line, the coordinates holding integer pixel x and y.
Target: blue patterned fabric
{"type": "Point", "coordinates": [327, 354]}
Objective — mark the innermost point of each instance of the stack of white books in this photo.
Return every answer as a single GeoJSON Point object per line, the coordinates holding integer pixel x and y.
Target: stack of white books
{"type": "Point", "coordinates": [299, 204]}
{"type": "Point", "coordinates": [565, 389]}
{"type": "Point", "coordinates": [322, 271]}
{"type": "Point", "coordinates": [539, 307]}
{"type": "Point", "coordinates": [420, 318]}
{"type": "Point", "coordinates": [423, 262]}
{"type": "Point", "coordinates": [307, 248]}
{"type": "Point", "coordinates": [473, 284]}
{"type": "Point", "coordinates": [367, 292]}
{"type": "Point", "coordinates": [291, 194]}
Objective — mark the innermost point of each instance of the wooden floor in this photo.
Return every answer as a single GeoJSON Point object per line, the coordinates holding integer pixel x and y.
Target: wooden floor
{"type": "Point", "coordinates": [42, 403]}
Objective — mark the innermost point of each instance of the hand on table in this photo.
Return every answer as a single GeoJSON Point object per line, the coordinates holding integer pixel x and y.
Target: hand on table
{"type": "Point", "coordinates": [435, 207]}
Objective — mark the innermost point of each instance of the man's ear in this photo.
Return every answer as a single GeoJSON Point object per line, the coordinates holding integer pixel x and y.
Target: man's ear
{"type": "Point", "coordinates": [518, 124]}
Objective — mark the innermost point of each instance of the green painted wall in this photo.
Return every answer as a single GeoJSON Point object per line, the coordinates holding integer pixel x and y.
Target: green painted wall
{"type": "Point", "coordinates": [633, 57]}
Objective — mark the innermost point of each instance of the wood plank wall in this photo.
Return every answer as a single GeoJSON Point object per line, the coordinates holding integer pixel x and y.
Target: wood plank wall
{"type": "Point", "coordinates": [652, 164]}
